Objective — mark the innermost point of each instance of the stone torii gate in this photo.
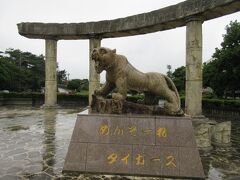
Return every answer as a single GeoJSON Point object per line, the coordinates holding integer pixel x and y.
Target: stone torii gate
{"type": "Point", "coordinates": [190, 13]}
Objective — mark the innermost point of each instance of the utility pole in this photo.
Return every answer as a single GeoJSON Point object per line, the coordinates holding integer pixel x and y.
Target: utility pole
{"type": "Point", "coordinates": [169, 73]}
{"type": "Point", "coordinates": [20, 68]}
{"type": "Point", "coordinates": [68, 76]}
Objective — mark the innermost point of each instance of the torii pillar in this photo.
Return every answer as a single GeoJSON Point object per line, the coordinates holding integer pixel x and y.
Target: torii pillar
{"type": "Point", "coordinates": [193, 99]}
{"type": "Point", "coordinates": [50, 73]}
{"type": "Point", "coordinates": [94, 77]}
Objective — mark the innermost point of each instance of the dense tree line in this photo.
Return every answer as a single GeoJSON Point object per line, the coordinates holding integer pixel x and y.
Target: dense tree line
{"type": "Point", "coordinates": [23, 71]}
{"type": "Point", "coordinates": [178, 77]}
{"type": "Point", "coordinates": [222, 72]}
{"type": "Point", "coordinates": [78, 85]}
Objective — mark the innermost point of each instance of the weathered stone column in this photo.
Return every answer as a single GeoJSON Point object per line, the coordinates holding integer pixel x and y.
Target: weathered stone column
{"type": "Point", "coordinates": [50, 73]}
{"type": "Point", "coordinates": [94, 77]}
{"type": "Point", "coordinates": [193, 101]}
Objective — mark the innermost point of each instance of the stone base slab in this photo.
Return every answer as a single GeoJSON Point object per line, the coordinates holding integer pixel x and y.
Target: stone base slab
{"type": "Point", "coordinates": [134, 145]}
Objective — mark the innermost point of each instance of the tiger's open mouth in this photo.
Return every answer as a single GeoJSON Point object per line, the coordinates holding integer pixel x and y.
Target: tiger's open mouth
{"type": "Point", "coordinates": [95, 55]}
{"type": "Point", "coordinates": [98, 67]}
{"type": "Point", "coordinates": [96, 58]}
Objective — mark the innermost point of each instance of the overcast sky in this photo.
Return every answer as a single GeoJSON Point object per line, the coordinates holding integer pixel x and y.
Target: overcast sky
{"type": "Point", "coordinates": [150, 52]}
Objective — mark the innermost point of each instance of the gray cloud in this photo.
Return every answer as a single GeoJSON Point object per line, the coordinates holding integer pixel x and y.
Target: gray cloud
{"type": "Point", "coordinates": [150, 52]}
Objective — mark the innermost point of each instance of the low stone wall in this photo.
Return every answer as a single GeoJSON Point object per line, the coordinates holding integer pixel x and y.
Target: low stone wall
{"type": "Point", "coordinates": [40, 102]}
{"type": "Point", "coordinates": [65, 102]}
{"type": "Point", "coordinates": [1, 101]}
{"type": "Point", "coordinates": [16, 101]}
{"type": "Point", "coordinates": [210, 134]}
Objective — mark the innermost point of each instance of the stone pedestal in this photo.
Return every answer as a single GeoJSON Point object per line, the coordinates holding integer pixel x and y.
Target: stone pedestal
{"type": "Point", "coordinates": [209, 133]}
{"type": "Point", "coordinates": [51, 74]}
{"type": "Point", "coordinates": [202, 131]}
{"type": "Point", "coordinates": [221, 134]}
{"type": "Point", "coordinates": [94, 77]}
{"type": "Point", "coordinates": [193, 101]}
{"type": "Point", "coordinates": [134, 145]}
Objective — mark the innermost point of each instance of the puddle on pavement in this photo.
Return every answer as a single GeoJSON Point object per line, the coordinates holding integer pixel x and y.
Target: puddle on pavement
{"type": "Point", "coordinates": [34, 143]}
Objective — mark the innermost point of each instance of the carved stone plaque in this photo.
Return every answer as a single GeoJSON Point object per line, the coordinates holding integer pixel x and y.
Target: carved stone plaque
{"type": "Point", "coordinates": [134, 145]}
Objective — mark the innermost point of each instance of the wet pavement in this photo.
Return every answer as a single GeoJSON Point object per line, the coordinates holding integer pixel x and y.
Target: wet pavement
{"type": "Point", "coordinates": [34, 143]}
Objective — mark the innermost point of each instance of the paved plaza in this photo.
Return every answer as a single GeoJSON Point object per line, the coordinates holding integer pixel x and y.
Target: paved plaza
{"type": "Point", "coordinates": [34, 143]}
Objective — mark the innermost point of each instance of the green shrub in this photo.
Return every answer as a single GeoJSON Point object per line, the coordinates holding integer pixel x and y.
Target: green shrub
{"type": "Point", "coordinates": [182, 98]}
{"type": "Point", "coordinates": [221, 104]}
{"type": "Point", "coordinates": [83, 96]}
{"type": "Point", "coordinates": [40, 95]}
{"type": "Point", "coordinates": [73, 97]}
{"type": "Point", "coordinates": [21, 95]}
{"type": "Point", "coordinates": [135, 98]}
{"type": "Point", "coordinates": [208, 95]}
{"type": "Point", "coordinates": [83, 93]}
{"type": "Point", "coordinates": [216, 103]}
